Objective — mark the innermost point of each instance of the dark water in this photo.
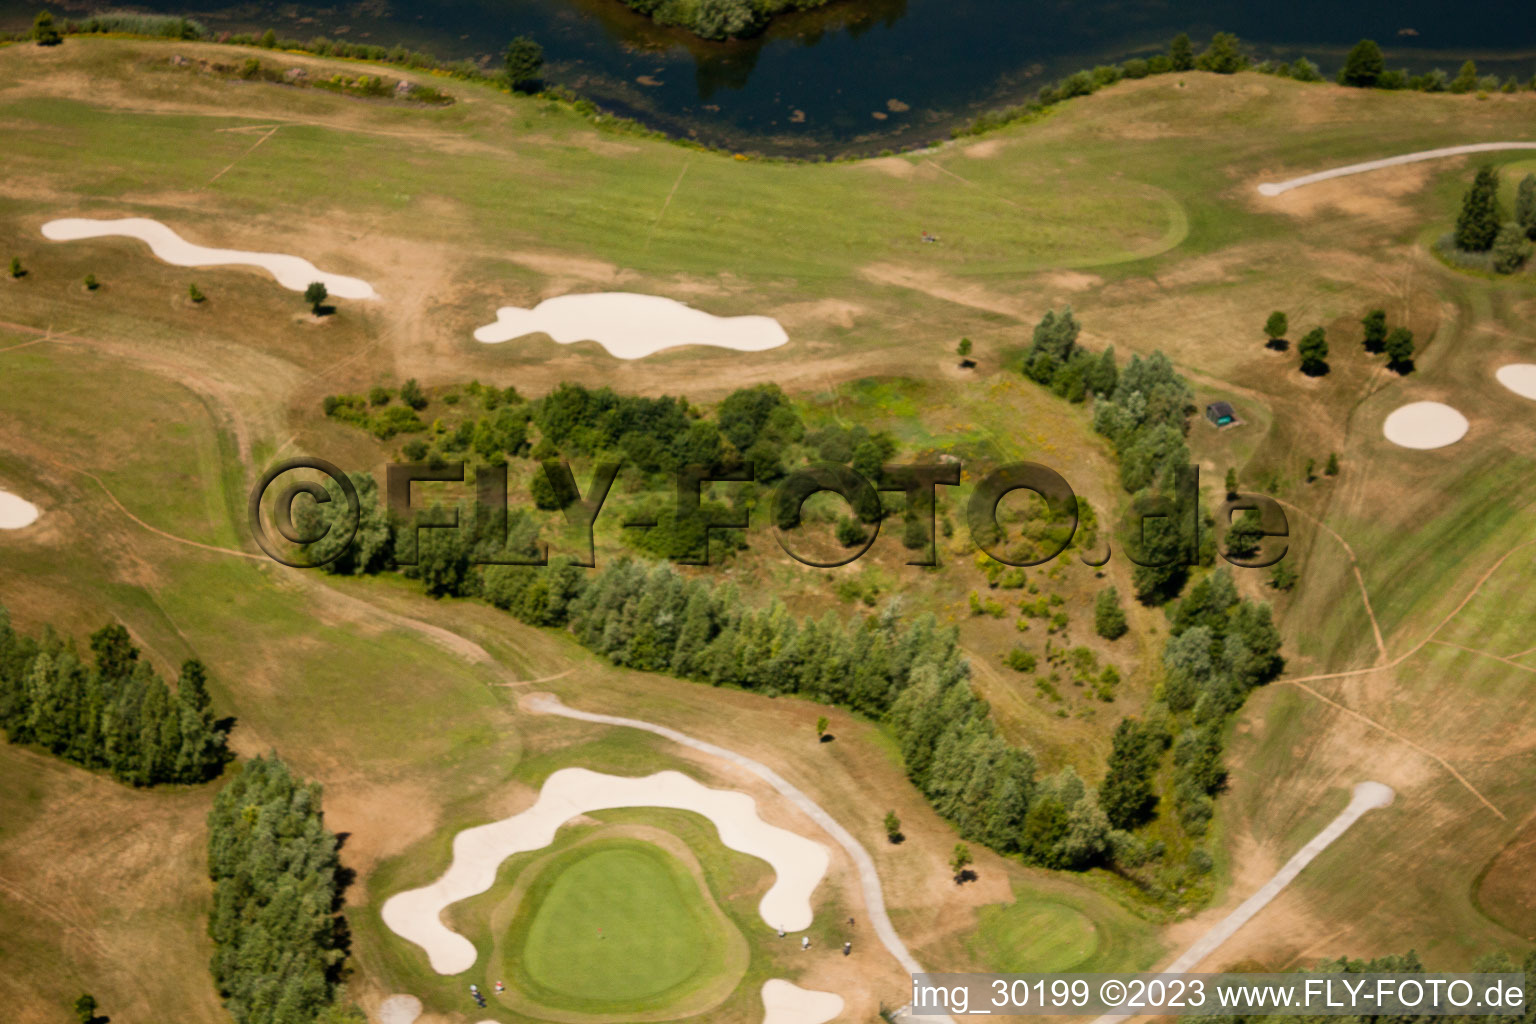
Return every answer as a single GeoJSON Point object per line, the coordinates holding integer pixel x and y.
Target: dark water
{"type": "Point", "coordinates": [861, 75]}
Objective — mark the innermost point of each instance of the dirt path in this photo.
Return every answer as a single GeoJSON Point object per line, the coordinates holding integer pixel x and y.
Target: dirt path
{"type": "Point", "coordinates": [1276, 188]}
{"type": "Point", "coordinates": [1354, 564]}
{"type": "Point", "coordinates": [1367, 796]}
{"type": "Point", "coordinates": [869, 879]}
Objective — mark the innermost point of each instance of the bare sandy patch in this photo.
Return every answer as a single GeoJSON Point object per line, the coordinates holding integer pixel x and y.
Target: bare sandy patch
{"type": "Point", "coordinates": [1072, 280]}
{"type": "Point", "coordinates": [895, 166]}
{"type": "Point", "coordinates": [983, 150]}
{"type": "Point", "coordinates": [941, 286]}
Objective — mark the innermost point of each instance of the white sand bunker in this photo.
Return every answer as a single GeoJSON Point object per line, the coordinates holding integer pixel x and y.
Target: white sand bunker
{"type": "Point", "coordinates": [1425, 425]}
{"type": "Point", "coordinates": [1519, 378]}
{"type": "Point", "coordinates": [799, 863]}
{"type": "Point", "coordinates": [399, 1010]}
{"type": "Point", "coordinates": [291, 272]}
{"type": "Point", "coordinates": [787, 1003]}
{"type": "Point", "coordinates": [16, 512]}
{"type": "Point", "coordinates": [632, 326]}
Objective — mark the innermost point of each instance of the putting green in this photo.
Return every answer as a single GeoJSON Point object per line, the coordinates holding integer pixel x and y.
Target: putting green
{"type": "Point", "coordinates": [1034, 935]}
{"type": "Point", "coordinates": [619, 924]}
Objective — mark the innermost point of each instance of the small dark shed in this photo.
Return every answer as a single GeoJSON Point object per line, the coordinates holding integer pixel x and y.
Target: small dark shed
{"type": "Point", "coordinates": [1221, 413]}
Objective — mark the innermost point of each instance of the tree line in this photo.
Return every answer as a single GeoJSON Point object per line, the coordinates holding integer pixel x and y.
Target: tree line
{"type": "Point", "coordinates": [1224, 54]}
{"type": "Point", "coordinates": [279, 939]}
{"type": "Point", "coordinates": [114, 713]}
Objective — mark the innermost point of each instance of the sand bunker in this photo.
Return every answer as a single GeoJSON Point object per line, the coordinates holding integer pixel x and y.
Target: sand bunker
{"type": "Point", "coordinates": [632, 326]}
{"type": "Point", "coordinates": [399, 1010]}
{"type": "Point", "coordinates": [798, 863]}
{"type": "Point", "coordinates": [16, 512]}
{"type": "Point", "coordinates": [787, 1003]}
{"type": "Point", "coordinates": [290, 271]}
{"type": "Point", "coordinates": [1519, 378]}
{"type": "Point", "coordinates": [1425, 425]}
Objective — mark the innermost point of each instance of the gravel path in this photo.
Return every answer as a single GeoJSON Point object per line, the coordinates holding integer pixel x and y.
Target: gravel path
{"type": "Point", "coordinates": [1274, 189]}
{"type": "Point", "coordinates": [1367, 796]}
{"type": "Point", "coordinates": [869, 880]}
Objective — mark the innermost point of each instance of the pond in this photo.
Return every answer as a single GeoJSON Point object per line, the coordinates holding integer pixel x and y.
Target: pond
{"type": "Point", "coordinates": [864, 75]}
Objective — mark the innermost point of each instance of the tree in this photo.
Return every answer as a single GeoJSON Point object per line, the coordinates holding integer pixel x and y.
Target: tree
{"type": "Point", "coordinates": [44, 30]}
{"type": "Point", "coordinates": [849, 532]}
{"type": "Point", "coordinates": [1466, 78]}
{"type": "Point", "coordinates": [1224, 55]}
{"type": "Point", "coordinates": [194, 294]}
{"type": "Point", "coordinates": [1399, 348]}
{"type": "Point", "coordinates": [1231, 482]}
{"type": "Point", "coordinates": [1332, 468]}
{"type": "Point", "coordinates": [1246, 534]}
{"type": "Point", "coordinates": [1314, 352]}
{"type": "Point", "coordinates": [316, 295]}
{"type": "Point", "coordinates": [16, 268]}
{"type": "Point", "coordinates": [1310, 473]}
{"type": "Point", "coordinates": [1276, 326]}
{"type": "Point", "coordinates": [1525, 206]}
{"type": "Point", "coordinates": [1478, 224]}
{"type": "Point", "coordinates": [524, 59]}
{"type": "Point", "coordinates": [963, 350]}
{"type": "Point", "coordinates": [91, 284]}
{"type": "Point", "coordinates": [1180, 53]}
{"type": "Point", "coordinates": [892, 827]}
{"type": "Point", "coordinates": [1375, 325]}
{"type": "Point", "coordinates": [959, 860]}
{"type": "Point", "coordinates": [268, 40]}
{"type": "Point", "coordinates": [1108, 616]}
{"type": "Point", "coordinates": [1126, 794]}
{"type": "Point", "coordinates": [1364, 65]}
{"type": "Point", "coordinates": [412, 395]}
{"type": "Point", "coordinates": [821, 725]}
{"type": "Point", "coordinates": [85, 1008]}
{"type": "Point", "coordinates": [1510, 249]}
{"type": "Point", "coordinates": [1282, 576]}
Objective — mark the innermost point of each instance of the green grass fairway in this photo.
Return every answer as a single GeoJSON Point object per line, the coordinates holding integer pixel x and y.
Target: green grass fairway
{"type": "Point", "coordinates": [615, 924]}
{"type": "Point", "coordinates": [1035, 935]}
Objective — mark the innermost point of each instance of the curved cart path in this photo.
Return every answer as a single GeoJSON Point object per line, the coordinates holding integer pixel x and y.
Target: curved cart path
{"type": "Point", "coordinates": [1275, 188]}
{"type": "Point", "coordinates": [1367, 797]}
{"type": "Point", "coordinates": [869, 879]}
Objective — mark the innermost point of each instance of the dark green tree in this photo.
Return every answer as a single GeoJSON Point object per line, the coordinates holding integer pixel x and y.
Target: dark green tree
{"type": "Point", "coordinates": [1525, 206]}
{"type": "Point", "coordinates": [1181, 54]}
{"type": "Point", "coordinates": [412, 395]}
{"type": "Point", "coordinates": [959, 860]}
{"type": "Point", "coordinates": [524, 59]}
{"type": "Point", "coordinates": [17, 270]}
{"type": "Point", "coordinates": [1313, 349]}
{"type": "Point", "coordinates": [315, 295]}
{"type": "Point", "coordinates": [1108, 616]}
{"type": "Point", "coordinates": [1332, 468]}
{"type": "Point", "coordinates": [1246, 534]}
{"type": "Point", "coordinates": [1276, 326]}
{"type": "Point", "coordinates": [1231, 482]}
{"type": "Point", "coordinates": [1224, 55]}
{"type": "Point", "coordinates": [44, 30]}
{"type": "Point", "coordinates": [1399, 349]}
{"type": "Point", "coordinates": [1466, 78]}
{"type": "Point", "coordinates": [1375, 325]}
{"type": "Point", "coordinates": [1478, 224]}
{"type": "Point", "coordinates": [892, 827]}
{"type": "Point", "coordinates": [1364, 66]}
{"type": "Point", "coordinates": [1126, 793]}
{"type": "Point", "coordinates": [85, 1008]}
{"type": "Point", "coordinates": [963, 350]}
